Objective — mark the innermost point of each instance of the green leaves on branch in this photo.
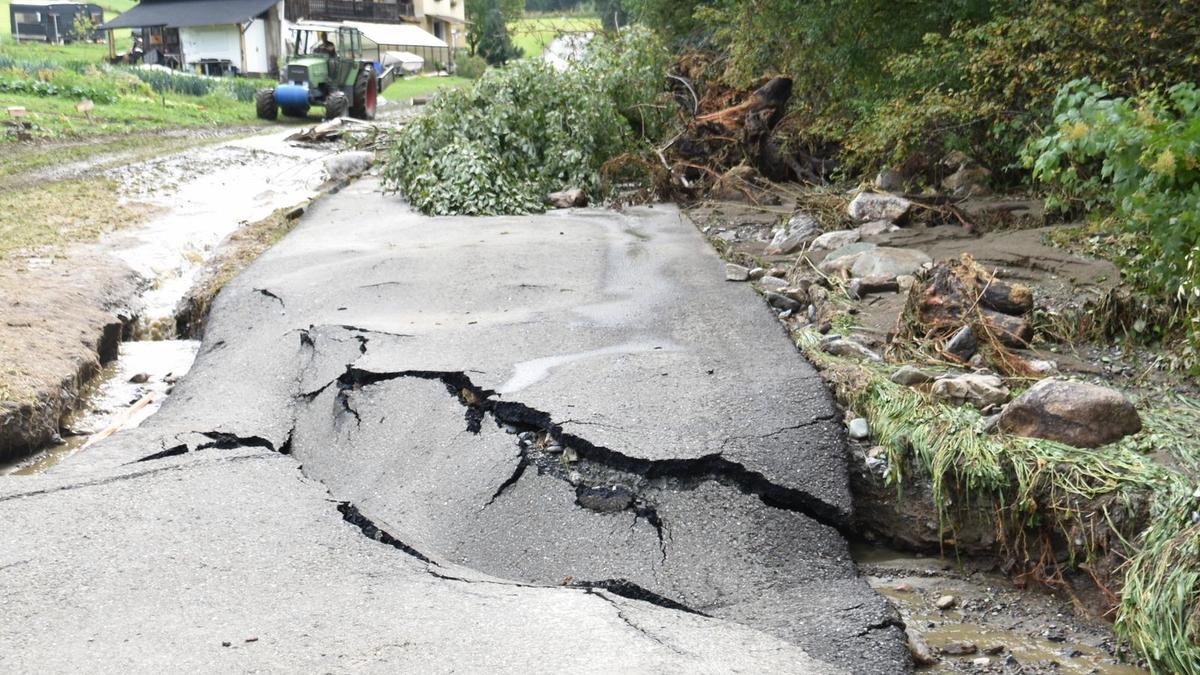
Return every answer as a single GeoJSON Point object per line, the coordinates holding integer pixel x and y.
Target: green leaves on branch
{"type": "Point", "coordinates": [1139, 158]}
{"type": "Point", "coordinates": [526, 130]}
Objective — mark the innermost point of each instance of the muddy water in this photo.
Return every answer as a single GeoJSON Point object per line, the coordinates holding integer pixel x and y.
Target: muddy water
{"type": "Point", "coordinates": [1024, 631]}
{"type": "Point", "coordinates": [205, 195]}
{"type": "Point", "coordinates": [128, 391]}
{"type": "Point", "coordinates": [199, 197]}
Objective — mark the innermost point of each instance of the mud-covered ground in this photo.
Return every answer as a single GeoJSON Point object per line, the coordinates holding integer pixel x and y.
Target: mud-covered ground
{"type": "Point", "coordinates": [992, 625]}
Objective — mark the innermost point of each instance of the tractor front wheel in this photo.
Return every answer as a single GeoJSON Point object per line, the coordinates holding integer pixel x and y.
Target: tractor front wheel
{"type": "Point", "coordinates": [336, 105]}
{"type": "Point", "coordinates": [366, 92]}
{"type": "Point", "coordinates": [264, 104]}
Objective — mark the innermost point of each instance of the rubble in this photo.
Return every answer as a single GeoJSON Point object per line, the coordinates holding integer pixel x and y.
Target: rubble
{"type": "Point", "coordinates": [566, 199]}
{"type": "Point", "coordinates": [980, 390]}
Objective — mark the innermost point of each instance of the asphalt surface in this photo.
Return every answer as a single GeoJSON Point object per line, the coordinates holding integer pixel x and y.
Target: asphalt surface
{"type": "Point", "coordinates": [568, 443]}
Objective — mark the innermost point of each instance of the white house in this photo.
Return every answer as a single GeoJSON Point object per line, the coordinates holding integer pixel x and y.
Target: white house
{"type": "Point", "coordinates": [213, 36]}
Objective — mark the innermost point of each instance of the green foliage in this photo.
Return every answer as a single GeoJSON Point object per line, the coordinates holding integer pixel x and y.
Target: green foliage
{"type": "Point", "coordinates": [1139, 157]}
{"type": "Point", "coordinates": [525, 130]}
{"type": "Point", "coordinates": [483, 24]}
{"type": "Point", "coordinates": [903, 83]}
{"type": "Point", "coordinates": [470, 67]}
{"type": "Point", "coordinates": [51, 88]}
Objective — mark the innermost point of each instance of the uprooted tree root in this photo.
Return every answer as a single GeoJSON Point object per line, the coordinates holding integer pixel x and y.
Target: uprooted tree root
{"type": "Point", "coordinates": [1127, 521]}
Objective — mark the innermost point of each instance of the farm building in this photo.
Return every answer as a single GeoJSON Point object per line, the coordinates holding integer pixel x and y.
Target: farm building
{"type": "Point", "coordinates": [56, 22]}
{"type": "Point", "coordinates": [211, 36]}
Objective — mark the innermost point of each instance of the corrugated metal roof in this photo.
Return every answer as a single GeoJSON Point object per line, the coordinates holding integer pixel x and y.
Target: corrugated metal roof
{"type": "Point", "coordinates": [182, 13]}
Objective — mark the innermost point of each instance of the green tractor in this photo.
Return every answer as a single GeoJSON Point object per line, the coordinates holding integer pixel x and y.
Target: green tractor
{"type": "Point", "coordinates": [337, 77]}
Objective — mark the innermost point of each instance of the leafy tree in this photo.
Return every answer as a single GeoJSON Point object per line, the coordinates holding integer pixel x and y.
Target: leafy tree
{"type": "Point", "coordinates": [481, 21]}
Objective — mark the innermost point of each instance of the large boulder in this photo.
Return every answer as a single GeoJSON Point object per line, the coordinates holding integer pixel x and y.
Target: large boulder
{"type": "Point", "coordinates": [566, 199]}
{"type": "Point", "coordinates": [867, 206]}
{"type": "Point", "coordinates": [800, 228]}
{"type": "Point", "coordinates": [868, 260]}
{"type": "Point", "coordinates": [1075, 413]}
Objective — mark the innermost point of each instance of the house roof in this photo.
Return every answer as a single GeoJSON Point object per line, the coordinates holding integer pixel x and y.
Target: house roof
{"type": "Point", "coordinates": [182, 13]}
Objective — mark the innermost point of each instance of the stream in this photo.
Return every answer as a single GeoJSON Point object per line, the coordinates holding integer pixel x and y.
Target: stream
{"type": "Point", "coordinates": [197, 198]}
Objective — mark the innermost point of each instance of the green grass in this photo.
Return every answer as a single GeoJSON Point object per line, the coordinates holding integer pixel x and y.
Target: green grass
{"type": "Point", "coordinates": [533, 34]}
{"type": "Point", "coordinates": [54, 118]}
{"type": "Point", "coordinates": [422, 85]}
{"type": "Point", "coordinates": [57, 213]}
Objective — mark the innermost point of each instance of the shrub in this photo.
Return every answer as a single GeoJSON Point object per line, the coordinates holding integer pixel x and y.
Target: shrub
{"type": "Point", "coordinates": [1140, 158]}
{"type": "Point", "coordinates": [470, 67]}
{"type": "Point", "coordinates": [525, 130]}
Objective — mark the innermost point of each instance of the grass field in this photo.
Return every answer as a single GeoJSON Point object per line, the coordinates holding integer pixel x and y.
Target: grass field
{"type": "Point", "coordinates": [422, 85]}
{"type": "Point", "coordinates": [532, 34]}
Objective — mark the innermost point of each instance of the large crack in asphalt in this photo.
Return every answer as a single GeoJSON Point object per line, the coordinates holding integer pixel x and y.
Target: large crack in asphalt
{"type": "Point", "coordinates": [603, 480]}
{"type": "Point", "coordinates": [544, 444]}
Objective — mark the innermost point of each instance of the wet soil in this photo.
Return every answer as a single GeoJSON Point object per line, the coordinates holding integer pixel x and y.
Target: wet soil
{"type": "Point", "coordinates": [66, 312]}
{"type": "Point", "coordinates": [1016, 631]}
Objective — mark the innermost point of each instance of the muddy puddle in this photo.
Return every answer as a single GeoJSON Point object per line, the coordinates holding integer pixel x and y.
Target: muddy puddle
{"type": "Point", "coordinates": [198, 198]}
{"type": "Point", "coordinates": [989, 626]}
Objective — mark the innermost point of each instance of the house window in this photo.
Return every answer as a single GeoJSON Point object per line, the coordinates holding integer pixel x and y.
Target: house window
{"type": "Point", "coordinates": [439, 30]}
{"type": "Point", "coordinates": [29, 17]}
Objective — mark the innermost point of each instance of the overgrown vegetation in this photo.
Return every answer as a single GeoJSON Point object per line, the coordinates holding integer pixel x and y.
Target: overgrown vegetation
{"type": "Point", "coordinates": [1046, 491]}
{"type": "Point", "coordinates": [526, 130]}
{"type": "Point", "coordinates": [1139, 159]}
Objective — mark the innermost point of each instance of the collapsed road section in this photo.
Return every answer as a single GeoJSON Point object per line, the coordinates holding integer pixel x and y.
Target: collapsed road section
{"type": "Point", "coordinates": [565, 406]}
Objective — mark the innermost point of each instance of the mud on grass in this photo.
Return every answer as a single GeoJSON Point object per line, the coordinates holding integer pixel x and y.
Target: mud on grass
{"type": "Point", "coordinates": [41, 219]}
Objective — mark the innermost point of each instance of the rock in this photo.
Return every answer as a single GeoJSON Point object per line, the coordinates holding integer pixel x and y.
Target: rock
{"type": "Point", "coordinates": [1075, 413]}
{"type": "Point", "coordinates": [757, 273]}
{"type": "Point", "coordinates": [800, 228]}
{"type": "Point", "coordinates": [968, 181]}
{"type": "Point", "coordinates": [963, 344]}
{"type": "Point", "coordinates": [140, 378]}
{"type": "Point", "coordinates": [1001, 296]}
{"type": "Point", "coordinates": [922, 655]}
{"type": "Point", "coordinates": [867, 206]}
{"type": "Point", "coordinates": [960, 649]}
{"type": "Point", "coordinates": [889, 180]}
{"type": "Point", "coordinates": [1042, 366]}
{"type": "Point", "coordinates": [780, 301]}
{"type": "Point", "coordinates": [849, 349]}
{"type": "Point", "coordinates": [906, 282]}
{"type": "Point", "coordinates": [876, 227]}
{"type": "Point", "coordinates": [773, 283]}
{"type": "Point", "coordinates": [1011, 331]}
{"type": "Point", "coordinates": [910, 375]}
{"type": "Point", "coordinates": [946, 602]}
{"type": "Point", "coordinates": [868, 260]}
{"type": "Point", "coordinates": [977, 389]}
{"type": "Point", "coordinates": [903, 588]}
{"type": "Point", "coordinates": [981, 662]}
{"type": "Point", "coordinates": [348, 164]}
{"type": "Point", "coordinates": [566, 199]}
{"type": "Point", "coordinates": [736, 273]}
{"type": "Point", "coordinates": [604, 498]}
{"type": "Point", "coordinates": [858, 429]}
{"type": "Point", "coordinates": [835, 240]}
{"type": "Point", "coordinates": [854, 289]}
{"type": "Point", "coordinates": [879, 284]}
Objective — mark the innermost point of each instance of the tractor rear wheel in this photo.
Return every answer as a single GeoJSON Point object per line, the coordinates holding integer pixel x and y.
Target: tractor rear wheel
{"type": "Point", "coordinates": [264, 104]}
{"type": "Point", "coordinates": [336, 105]}
{"type": "Point", "coordinates": [366, 92]}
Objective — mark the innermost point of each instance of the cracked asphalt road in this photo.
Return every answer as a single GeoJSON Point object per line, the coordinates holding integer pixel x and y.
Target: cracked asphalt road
{"type": "Point", "coordinates": [565, 427]}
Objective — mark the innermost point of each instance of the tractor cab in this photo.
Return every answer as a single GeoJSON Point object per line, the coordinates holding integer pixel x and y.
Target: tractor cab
{"type": "Point", "coordinates": [330, 66]}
